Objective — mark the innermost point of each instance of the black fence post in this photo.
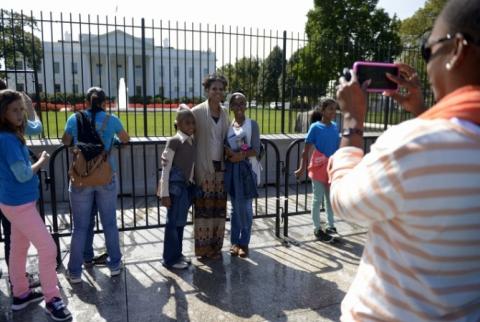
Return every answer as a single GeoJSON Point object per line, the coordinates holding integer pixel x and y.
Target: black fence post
{"type": "Point", "coordinates": [284, 76]}
{"type": "Point", "coordinates": [144, 81]}
{"type": "Point", "coordinates": [385, 114]}
{"type": "Point", "coordinates": [53, 199]}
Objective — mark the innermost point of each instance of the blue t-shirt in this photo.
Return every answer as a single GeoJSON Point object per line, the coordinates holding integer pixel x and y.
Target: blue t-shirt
{"type": "Point", "coordinates": [113, 127]}
{"type": "Point", "coordinates": [13, 192]}
{"type": "Point", "coordinates": [33, 127]}
{"type": "Point", "coordinates": [325, 138]}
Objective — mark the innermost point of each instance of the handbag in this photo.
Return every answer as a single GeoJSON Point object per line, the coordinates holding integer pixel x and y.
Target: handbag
{"type": "Point", "coordinates": [90, 165]}
{"type": "Point", "coordinates": [317, 168]}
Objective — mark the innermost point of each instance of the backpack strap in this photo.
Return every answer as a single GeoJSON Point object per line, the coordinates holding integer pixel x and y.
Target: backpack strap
{"type": "Point", "coordinates": [86, 130]}
{"type": "Point", "coordinates": [104, 125]}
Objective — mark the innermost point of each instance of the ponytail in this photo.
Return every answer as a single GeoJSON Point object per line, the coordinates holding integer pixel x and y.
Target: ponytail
{"type": "Point", "coordinates": [95, 96]}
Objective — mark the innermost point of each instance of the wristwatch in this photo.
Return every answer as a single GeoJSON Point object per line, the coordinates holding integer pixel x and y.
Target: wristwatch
{"type": "Point", "coordinates": [349, 131]}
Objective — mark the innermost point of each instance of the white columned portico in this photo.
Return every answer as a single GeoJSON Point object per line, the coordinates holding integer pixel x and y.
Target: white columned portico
{"type": "Point", "coordinates": [86, 72]}
{"type": "Point", "coordinates": [150, 71]}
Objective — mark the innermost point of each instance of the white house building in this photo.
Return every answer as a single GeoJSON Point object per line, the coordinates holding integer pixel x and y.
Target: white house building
{"type": "Point", "coordinates": [74, 66]}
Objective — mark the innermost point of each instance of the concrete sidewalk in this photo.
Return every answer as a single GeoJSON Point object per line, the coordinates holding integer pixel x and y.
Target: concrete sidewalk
{"type": "Point", "coordinates": [304, 282]}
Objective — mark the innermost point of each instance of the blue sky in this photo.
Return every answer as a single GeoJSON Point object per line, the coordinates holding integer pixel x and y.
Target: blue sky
{"type": "Point", "coordinates": [269, 14]}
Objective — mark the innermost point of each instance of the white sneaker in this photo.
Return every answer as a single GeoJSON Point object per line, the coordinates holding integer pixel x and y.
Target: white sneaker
{"type": "Point", "coordinates": [180, 265]}
{"type": "Point", "coordinates": [73, 279]}
{"type": "Point", "coordinates": [186, 259]}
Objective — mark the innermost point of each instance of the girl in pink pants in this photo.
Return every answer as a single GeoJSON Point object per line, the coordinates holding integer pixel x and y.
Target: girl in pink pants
{"type": "Point", "coordinates": [18, 195]}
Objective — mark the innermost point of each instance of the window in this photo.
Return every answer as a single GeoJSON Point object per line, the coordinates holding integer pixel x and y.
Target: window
{"type": "Point", "coordinates": [176, 71]}
{"type": "Point", "coordinates": [205, 71]}
{"type": "Point", "coordinates": [19, 64]}
{"type": "Point", "coordinates": [75, 88]}
{"type": "Point", "coordinates": [74, 68]}
{"type": "Point", "coordinates": [57, 88]}
{"type": "Point", "coordinates": [20, 87]}
{"type": "Point", "coordinates": [161, 91]}
{"type": "Point", "coordinates": [39, 69]}
{"type": "Point", "coordinates": [161, 71]}
{"type": "Point", "coordinates": [190, 72]}
{"type": "Point", "coordinates": [40, 88]}
{"type": "Point", "coordinates": [176, 89]}
{"type": "Point", "coordinates": [190, 89]}
{"type": "Point", "coordinates": [56, 67]}
{"type": "Point", "coordinates": [138, 90]}
{"type": "Point", "coordinates": [119, 66]}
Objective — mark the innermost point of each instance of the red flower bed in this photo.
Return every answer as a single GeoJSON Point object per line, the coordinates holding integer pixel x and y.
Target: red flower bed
{"type": "Point", "coordinates": [44, 106]}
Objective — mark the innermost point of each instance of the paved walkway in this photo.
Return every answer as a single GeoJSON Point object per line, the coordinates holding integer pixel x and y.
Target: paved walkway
{"type": "Point", "coordinates": [304, 282]}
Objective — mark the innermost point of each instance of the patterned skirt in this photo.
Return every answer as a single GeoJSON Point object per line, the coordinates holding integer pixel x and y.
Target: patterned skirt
{"type": "Point", "coordinates": [209, 216]}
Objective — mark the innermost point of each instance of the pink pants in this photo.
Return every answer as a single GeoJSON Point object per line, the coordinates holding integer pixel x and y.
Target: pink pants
{"type": "Point", "coordinates": [27, 226]}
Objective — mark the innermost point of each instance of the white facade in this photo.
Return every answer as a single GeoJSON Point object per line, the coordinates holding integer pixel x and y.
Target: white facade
{"type": "Point", "coordinates": [74, 66]}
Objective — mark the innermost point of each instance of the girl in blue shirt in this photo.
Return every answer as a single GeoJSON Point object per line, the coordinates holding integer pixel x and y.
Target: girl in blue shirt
{"type": "Point", "coordinates": [18, 195]}
{"type": "Point", "coordinates": [323, 135]}
{"type": "Point", "coordinates": [82, 199]}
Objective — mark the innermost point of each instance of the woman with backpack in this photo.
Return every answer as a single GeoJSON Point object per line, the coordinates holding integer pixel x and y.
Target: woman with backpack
{"type": "Point", "coordinates": [88, 130]}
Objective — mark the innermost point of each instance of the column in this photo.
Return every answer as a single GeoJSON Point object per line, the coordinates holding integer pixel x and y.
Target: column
{"type": "Point", "coordinates": [150, 72]}
{"type": "Point", "coordinates": [130, 80]}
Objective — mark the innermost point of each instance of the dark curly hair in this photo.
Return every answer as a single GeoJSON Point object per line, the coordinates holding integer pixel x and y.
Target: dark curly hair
{"type": "Point", "coordinates": [212, 78]}
{"type": "Point", "coordinates": [319, 109]}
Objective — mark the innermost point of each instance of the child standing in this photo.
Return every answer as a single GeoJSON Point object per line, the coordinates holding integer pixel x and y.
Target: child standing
{"type": "Point", "coordinates": [18, 195]}
{"type": "Point", "coordinates": [242, 148]}
{"type": "Point", "coordinates": [323, 136]}
{"type": "Point", "coordinates": [176, 187]}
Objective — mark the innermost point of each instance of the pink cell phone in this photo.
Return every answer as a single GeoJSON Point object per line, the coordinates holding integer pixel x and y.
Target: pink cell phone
{"type": "Point", "coordinates": [376, 73]}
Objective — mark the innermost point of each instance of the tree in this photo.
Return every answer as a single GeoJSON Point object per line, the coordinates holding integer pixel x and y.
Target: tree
{"type": "Point", "coordinates": [414, 28]}
{"type": "Point", "coordinates": [243, 75]}
{"type": "Point", "coordinates": [341, 32]}
{"type": "Point", "coordinates": [247, 71]}
{"type": "Point", "coordinates": [270, 72]}
{"type": "Point", "coordinates": [17, 41]}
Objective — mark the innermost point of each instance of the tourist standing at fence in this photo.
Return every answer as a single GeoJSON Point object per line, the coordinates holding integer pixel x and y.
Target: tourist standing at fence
{"type": "Point", "coordinates": [176, 187]}
{"type": "Point", "coordinates": [418, 189]}
{"type": "Point", "coordinates": [323, 137]}
{"type": "Point", "coordinates": [210, 209]}
{"type": "Point", "coordinates": [18, 195]}
{"type": "Point", "coordinates": [33, 126]}
{"type": "Point", "coordinates": [104, 196]}
{"type": "Point", "coordinates": [241, 150]}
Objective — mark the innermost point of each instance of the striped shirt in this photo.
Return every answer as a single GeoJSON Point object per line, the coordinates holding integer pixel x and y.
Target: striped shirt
{"type": "Point", "coordinates": [418, 191]}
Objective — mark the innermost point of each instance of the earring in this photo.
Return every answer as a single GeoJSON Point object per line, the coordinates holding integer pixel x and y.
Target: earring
{"type": "Point", "coordinates": [448, 66]}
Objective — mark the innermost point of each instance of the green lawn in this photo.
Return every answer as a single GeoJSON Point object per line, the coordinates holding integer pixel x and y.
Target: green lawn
{"type": "Point", "coordinates": [160, 123]}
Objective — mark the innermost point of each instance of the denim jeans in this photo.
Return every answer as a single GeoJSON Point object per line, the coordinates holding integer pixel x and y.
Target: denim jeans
{"type": "Point", "coordinates": [176, 221]}
{"type": "Point", "coordinates": [241, 221]}
{"type": "Point", "coordinates": [88, 253]}
{"type": "Point", "coordinates": [319, 191]}
{"type": "Point", "coordinates": [81, 202]}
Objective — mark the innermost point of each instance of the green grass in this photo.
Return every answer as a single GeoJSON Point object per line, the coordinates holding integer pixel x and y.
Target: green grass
{"type": "Point", "coordinates": [160, 123]}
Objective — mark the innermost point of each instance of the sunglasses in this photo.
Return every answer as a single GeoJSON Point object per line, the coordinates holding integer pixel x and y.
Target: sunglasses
{"type": "Point", "coordinates": [426, 49]}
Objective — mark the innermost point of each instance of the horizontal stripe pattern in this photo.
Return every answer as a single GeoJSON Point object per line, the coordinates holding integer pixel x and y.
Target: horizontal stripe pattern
{"type": "Point", "coordinates": [418, 191]}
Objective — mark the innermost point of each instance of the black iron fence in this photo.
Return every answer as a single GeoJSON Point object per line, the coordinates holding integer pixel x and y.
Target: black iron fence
{"type": "Point", "coordinates": [281, 195]}
{"type": "Point", "coordinates": [148, 67]}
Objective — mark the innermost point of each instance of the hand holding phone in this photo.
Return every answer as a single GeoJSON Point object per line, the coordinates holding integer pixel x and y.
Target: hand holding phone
{"type": "Point", "coordinates": [376, 73]}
